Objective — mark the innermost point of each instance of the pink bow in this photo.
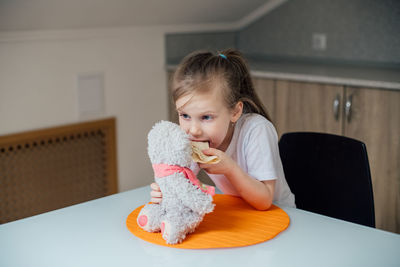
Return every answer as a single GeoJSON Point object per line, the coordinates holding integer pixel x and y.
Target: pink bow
{"type": "Point", "coordinates": [162, 170]}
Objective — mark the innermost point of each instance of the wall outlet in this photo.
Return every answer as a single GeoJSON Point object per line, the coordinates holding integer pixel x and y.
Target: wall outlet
{"type": "Point", "coordinates": [319, 41]}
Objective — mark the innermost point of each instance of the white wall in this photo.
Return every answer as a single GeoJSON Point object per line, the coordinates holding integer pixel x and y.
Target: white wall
{"type": "Point", "coordinates": [38, 72]}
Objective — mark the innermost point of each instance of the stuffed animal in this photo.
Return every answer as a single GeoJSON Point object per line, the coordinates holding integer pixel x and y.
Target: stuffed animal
{"type": "Point", "coordinates": [185, 200]}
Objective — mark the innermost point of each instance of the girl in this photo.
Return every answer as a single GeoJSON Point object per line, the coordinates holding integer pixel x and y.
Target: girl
{"type": "Point", "coordinates": [217, 103]}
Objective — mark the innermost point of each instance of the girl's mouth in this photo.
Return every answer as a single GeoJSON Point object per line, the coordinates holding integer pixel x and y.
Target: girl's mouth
{"type": "Point", "coordinates": [204, 141]}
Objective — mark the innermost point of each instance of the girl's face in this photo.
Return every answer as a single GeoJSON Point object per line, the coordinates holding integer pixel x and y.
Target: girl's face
{"type": "Point", "coordinates": [205, 117]}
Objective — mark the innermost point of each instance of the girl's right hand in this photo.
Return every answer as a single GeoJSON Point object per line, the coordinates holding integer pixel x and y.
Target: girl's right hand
{"type": "Point", "coordinates": [224, 166]}
{"type": "Point", "coordinates": [156, 195]}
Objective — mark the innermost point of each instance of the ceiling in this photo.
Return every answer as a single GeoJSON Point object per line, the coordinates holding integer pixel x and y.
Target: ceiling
{"type": "Point", "coordinates": [16, 15]}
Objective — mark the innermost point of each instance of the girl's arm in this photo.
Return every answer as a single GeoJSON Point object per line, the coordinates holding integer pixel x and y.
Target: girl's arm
{"type": "Point", "coordinates": [257, 193]}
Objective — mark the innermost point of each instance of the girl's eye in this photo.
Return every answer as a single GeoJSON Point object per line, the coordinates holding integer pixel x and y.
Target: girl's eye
{"type": "Point", "coordinates": [185, 116]}
{"type": "Point", "coordinates": [207, 117]}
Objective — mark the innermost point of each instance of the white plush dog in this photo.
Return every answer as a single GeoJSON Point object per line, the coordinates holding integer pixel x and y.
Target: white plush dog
{"type": "Point", "coordinates": [185, 200]}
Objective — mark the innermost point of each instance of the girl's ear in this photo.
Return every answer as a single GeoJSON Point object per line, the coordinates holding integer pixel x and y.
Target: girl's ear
{"type": "Point", "coordinates": [237, 111]}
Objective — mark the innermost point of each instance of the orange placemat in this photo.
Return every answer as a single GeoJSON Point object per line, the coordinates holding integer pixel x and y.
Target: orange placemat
{"type": "Point", "coordinates": [233, 223]}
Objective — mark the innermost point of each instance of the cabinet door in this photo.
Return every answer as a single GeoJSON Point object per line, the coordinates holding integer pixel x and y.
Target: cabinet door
{"type": "Point", "coordinates": [173, 115]}
{"type": "Point", "coordinates": [304, 106]}
{"type": "Point", "coordinates": [265, 89]}
{"type": "Point", "coordinates": [375, 120]}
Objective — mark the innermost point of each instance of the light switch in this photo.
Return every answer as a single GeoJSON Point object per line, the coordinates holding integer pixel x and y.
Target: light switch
{"type": "Point", "coordinates": [319, 41]}
{"type": "Point", "coordinates": [91, 95]}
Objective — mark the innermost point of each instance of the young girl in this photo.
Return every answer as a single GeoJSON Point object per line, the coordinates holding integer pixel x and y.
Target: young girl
{"type": "Point", "coordinates": [217, 103]}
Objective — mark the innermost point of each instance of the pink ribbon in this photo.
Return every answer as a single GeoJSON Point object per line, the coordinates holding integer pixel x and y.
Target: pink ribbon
{"type": "Point", "coordinates": [162, 170]}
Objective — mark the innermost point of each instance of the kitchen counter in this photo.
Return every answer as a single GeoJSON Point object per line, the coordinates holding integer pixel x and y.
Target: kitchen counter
{"type": "Point", "coordinates": [347, 75]}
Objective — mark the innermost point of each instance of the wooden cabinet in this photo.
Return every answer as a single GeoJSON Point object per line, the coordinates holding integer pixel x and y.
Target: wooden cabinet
{"type": "Point", "coordinates": [375, 120]}
{"type": "Point", "coordinates": [366, 114]}
{"type": "Point", "coordinates": [266, 91]}
{"type": "Point", "coordinates": [308, 107]}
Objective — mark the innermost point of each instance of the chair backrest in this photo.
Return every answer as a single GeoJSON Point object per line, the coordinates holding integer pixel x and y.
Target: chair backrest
{"type": "Point", "coordinates": [329, 175]}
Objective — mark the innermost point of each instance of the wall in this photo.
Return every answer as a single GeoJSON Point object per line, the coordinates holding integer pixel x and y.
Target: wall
{"type": "Point", "coordinates": [362, 32]}
{"type": "Point", "coordinates": [358, 31]}
{"type": "Point", "coordinates": [38, 72]}
{"type": "Point", "coordinates": [179, 45]}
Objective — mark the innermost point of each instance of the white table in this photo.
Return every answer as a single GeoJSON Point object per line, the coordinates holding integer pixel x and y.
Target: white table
{"type": "Point", "coordinates": [95, 234]}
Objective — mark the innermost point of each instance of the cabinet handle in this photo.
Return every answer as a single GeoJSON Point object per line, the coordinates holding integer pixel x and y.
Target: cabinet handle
{"type": "Point", "coordinates": [348, 107]}
{"type": "Point", "coordinates": [336, 106]}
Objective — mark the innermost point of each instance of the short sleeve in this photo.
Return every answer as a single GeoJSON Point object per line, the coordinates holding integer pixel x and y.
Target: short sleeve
{"type": "Point", "coordinates": [261, 151]}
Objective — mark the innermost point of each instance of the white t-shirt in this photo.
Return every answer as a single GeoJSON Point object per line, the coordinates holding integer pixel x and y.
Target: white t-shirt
{"type": "Point", "coordinates": [254, 147]}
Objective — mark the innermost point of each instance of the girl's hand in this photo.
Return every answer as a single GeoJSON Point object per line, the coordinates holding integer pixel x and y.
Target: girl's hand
{"type": "Point", "coordinates": [156, 195]}
{"type": "Point", "coordinates": [224, 166]}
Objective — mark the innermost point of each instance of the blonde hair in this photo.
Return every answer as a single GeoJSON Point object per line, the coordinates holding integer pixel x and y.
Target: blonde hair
{"type": "Point", "coordinates": [201, 69]}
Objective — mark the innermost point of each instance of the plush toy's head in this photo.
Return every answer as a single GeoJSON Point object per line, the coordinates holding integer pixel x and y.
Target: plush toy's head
{"type": "Point", "coordinates": [169, 144]}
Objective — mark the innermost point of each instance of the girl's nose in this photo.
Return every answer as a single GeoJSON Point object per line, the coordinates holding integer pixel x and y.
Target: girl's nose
{"type": "Point", "coordinates": [195, 130]}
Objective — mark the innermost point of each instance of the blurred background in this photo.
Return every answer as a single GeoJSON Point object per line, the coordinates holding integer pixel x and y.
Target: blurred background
{"type": "Point", "coordinates": [127, 49]}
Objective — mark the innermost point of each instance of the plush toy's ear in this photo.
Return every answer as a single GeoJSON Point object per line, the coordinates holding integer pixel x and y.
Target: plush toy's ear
{"type": "Point", "coordinates": [169, 144]}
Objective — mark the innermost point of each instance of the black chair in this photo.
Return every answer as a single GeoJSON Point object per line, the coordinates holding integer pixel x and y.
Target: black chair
{"type": "Point", "coordinates": [329, 175]}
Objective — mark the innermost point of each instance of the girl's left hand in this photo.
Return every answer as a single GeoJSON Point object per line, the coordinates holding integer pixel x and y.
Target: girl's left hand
{"type": "Point", "coordinates": [225, 165]}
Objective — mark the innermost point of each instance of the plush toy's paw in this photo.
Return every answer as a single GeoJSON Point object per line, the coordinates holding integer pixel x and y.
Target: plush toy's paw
{"type": "Point", "coordinates": [142, 220]}
{"type": "Point", "coordinates": [171, 233]}
{"type": "Point", "coordinates": [165, 231]}
{"type": "Point", "coordinates": [149, 218]}
{"type": "Point", "coordinates": [174, 229]}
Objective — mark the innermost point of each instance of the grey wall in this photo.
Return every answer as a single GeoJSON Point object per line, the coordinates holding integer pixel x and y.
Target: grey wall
{"type": "Point", "coordinates": [179, 45]}
{"type": "Point", "coordinates": [360, 31]}
{"type": "Point", "coordinates": [363, 32]}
